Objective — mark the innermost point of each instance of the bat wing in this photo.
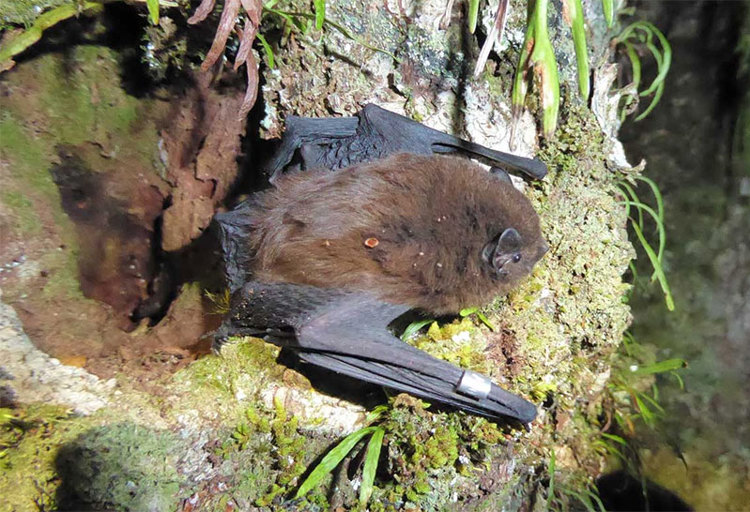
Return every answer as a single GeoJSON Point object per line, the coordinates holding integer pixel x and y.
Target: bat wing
{"type": "Point", "coordinates": [375, 133]}
{"type": "Point", "coordinates": [233, 230]}
{"type": "Point", "coordinates": [347, 332]}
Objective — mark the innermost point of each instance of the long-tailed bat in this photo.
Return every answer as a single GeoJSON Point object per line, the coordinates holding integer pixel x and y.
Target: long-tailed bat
{"type": "Point", "coordinates": [325, 261]}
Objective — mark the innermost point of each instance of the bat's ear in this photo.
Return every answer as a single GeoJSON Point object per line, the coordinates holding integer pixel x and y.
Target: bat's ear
{"type": "Point", "coordinates": [510, 241]}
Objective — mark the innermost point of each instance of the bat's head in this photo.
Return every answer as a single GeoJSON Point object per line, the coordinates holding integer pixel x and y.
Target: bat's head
{"type": "Point", "coordinates": [509, 257]}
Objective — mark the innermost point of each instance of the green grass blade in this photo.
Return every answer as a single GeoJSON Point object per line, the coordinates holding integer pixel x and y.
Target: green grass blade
{"type": "Point", "coordinates": [482, 317]}
{"type": "Point", "coordinates": [153, 11]}
{"type": "Point", "coordinates": [654, 101]}
{"type": "Point", "coordinates": [414, 327]}
{"type": "Point", "coordinates": [665, 60]}
{"type": "Point", "coordinates": [537, 58]}
{"type": "Point", "coordinates": [646, 414]}
{"type": "Point", "coordinates": [609, 9]}
{"type": "Point", "coordinates": [267, 50]}
{"type": "Point", "coordinates": [371, 465]}
{"type": "Point", "coordinates": [657, 267]}
{"type": "Point", "coordinates": [656, 405]}
{"type": "Point", "coordinates": [332, 459]}
{"type": "Point", "coordinates": [575, 14]}
{"type": "Point", "coordinates": [551, 471]}
{"type": "Point", "coordinates": [630, 191]}
{"type": "Point", "coordinates": [320, 13]}
{"type": "Point", "coordinates": [657, 194]}
{"type": "Point", "coordinates": [473, 15]}
{"type": "Point", "coordinates": [635, 63]}
{"type": "Point", "coordinates": [667, 365]}
{"type": "Point", "coordinates": [615, 438]}
{"type": "Point", "coordinates": [659, 227]}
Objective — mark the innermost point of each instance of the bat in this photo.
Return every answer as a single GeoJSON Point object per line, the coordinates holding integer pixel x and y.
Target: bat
{"type": "Point", "coordinates": [323, 262]}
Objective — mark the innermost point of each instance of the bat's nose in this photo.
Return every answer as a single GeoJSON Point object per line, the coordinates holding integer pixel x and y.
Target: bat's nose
{"type": "Point", "coordinates": [543, 249]}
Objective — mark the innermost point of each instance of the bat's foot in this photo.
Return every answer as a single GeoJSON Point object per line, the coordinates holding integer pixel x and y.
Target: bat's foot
{"type": "Point", "coordinates": [224, 334]}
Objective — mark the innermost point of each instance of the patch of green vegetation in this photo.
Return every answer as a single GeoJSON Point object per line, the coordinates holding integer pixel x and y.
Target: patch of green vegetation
{"type": "Point", "coordinates": [567, 495]}
{"type": "Point", "coordinates": [24, 216]}
{"type": "Point", "coordinates": [122, 467]}
{"type": "Point", "coordinates": [80, 106]}
{"type": "Point", "coordinates": [264, 456]}
{"type": "Point", "coordinates": [639, 37]}
{"type": "Point", "coordinates": [243, 364]}
{"type": "Point", "coordinates": [426, 455]}
{"type": "Point", "coordinates": [458, 342]}
{"type": "Point", "coordinates": [63, 282]}
{"type": "Point", "coordinates": [29, 156]}
{"type": "Point", "coordinates": [30, 436]}
{"type": "Point", "coordinates": [24, 12]}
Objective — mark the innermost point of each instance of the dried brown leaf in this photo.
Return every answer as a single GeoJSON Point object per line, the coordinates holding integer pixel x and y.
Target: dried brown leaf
{"type": "Point", "coordinates": [226, 24]}
{"type": "Point", "coordinates": [202, 12]}
{"type": "Point", "coordinates": [251, 93]}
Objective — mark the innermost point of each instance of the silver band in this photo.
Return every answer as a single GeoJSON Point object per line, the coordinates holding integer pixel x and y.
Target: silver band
{"type": "Point", "coordinates": [474, 385]}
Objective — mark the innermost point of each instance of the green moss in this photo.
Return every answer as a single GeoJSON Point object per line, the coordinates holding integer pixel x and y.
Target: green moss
{"type": "Point", "coordinates": [24, 12]}
{"type": "Point", "coordinates": [123, 466]}
{"type": "Point", "coordinates": [243, 364]}
{"type": "Point", "coordinates": [28, 155]}
{"type": "Point", "coordinates": [25, 217]}
{"type": "Point", "coordinates": [29, 443]}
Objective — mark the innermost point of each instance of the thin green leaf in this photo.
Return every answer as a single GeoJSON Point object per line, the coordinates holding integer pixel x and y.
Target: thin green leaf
{"type": "Point", "coordinates": [575, 15]}
{"type": "Point", "coordinates": [414, 327]}
{"type": "Point", "coordinates": [49, 19]}
{"type": "Point", "coordinates": [551, 471]}
{"type": "Point", "coordinates": [659, 226]}
{"type": "Point", "coordinates": [646, 413]}
{"type": "Point", "coordinates": [657, 195]}
{"type": "Point", "coordinates": [320, 13]}
{"type": "Point", "coordinates": [680, 382]}
{"type": "Point", "coordinates": [332, 459]}
{"type": "Point", "coordinates": [657, 268]}
{"type": "Point", "coordinates": [485, 321]}
{"type": "Point", "coordinates": [371, 465]}
{"type": "Point", "coordinates": [635, 63]}
{"type": "Point", "coordinates": [667, 365]}
{"type": "Point", "coordinates": [537, 58]}
{"type": "Point", "coordinates": [482, 317]}
{"type": "Point", "coordinates": [654, 101]}
{"type": "Point", "coordinates": [473, 15]}
{"type": "Point", "coordinates": [609, 8]}
{"type": "Point", "coordinates": [656, 405]}
{"type": "Point", "coordinates": [153, 11]}
{"type": "Point", "coordinates": [295, 17]}
{"type": "Point", "coordinates": [615, 438]}
{"type": "Point", "coordinates": [267, 50]}
{"type": "Point", "coordinates": [634, 198]}
{"type": "Point", "coordinates": [376, 413]}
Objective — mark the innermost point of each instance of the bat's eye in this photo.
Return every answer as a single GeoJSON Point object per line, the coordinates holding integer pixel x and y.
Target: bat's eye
{"type": "Point", "coordinates": [517, 257]}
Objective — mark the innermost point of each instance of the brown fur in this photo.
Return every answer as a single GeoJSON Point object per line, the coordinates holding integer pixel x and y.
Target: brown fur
{"type": "Point", "coordinates": [430, 216]}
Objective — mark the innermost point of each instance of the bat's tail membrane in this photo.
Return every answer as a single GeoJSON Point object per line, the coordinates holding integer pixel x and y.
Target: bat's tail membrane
{"type": "Point", "coordinates": [531, 167]}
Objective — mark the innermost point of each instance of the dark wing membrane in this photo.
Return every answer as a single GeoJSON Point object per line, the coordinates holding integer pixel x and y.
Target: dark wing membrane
{"type": "Point", "coordinates": [413, 134]}
{"type": "Point", "coordinates": [336, 143]}
{"type": "Point", "coordinates": [347, 332]}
